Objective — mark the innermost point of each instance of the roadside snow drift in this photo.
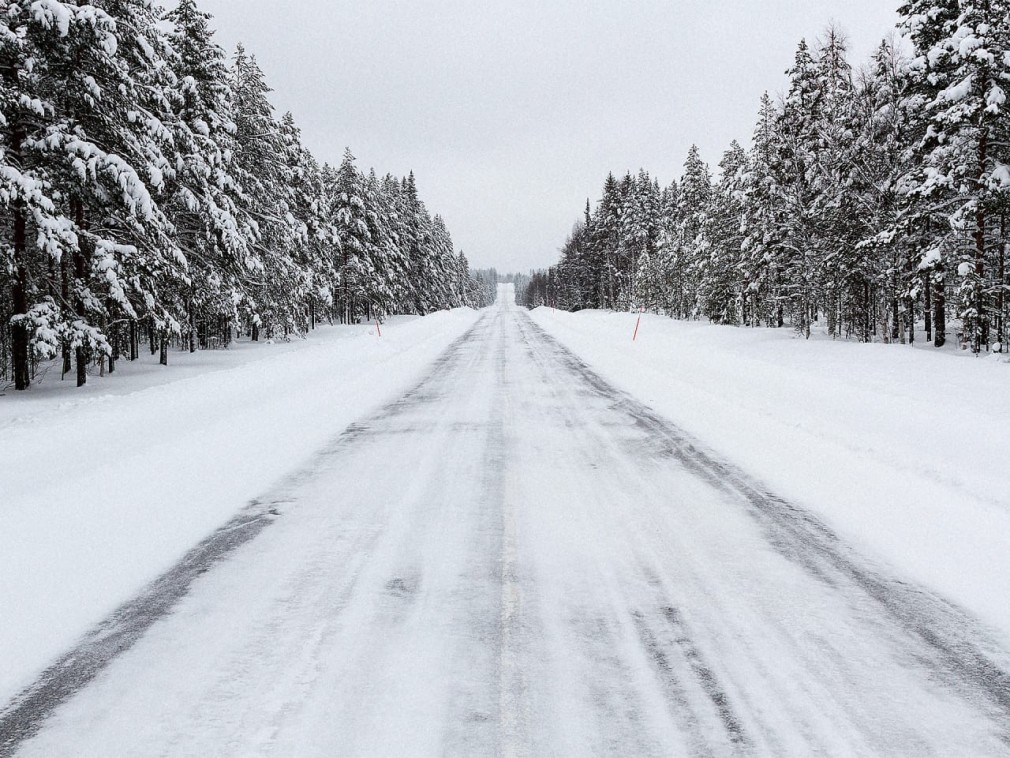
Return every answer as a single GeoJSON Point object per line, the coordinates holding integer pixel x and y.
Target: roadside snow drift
{"type": "Point", "coordinates": [103, 490]}
{"type": "Point", "coordinates": [902, 451]}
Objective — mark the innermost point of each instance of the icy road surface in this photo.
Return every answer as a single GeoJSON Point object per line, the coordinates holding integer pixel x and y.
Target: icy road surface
{"type": "Point", "coordinates": [515, 559]}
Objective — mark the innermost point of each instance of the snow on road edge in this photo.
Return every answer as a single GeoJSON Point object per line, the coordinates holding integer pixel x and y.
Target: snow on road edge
{"type": "Point", "coordinates": [101, 495]}
{"type": "Point", "coordinates": [902, 452]}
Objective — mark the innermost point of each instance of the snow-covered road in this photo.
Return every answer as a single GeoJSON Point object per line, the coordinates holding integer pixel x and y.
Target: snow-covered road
{"type": "Point", "coordinates": [516, 559]}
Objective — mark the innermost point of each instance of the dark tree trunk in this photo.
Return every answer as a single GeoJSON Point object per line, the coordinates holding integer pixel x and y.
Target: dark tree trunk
{"type": "Point", "coordinates": [114, 355]}
{"type": "Point", "coordinates": [192, 327]}
{"type": "Point", "coordinates": [1001, 305]}
{"type": "Point", "coordinates": [910, 319]}
{"type": "Point", "coordinates": [895, 309]}
{"type": "Point", "coordinates": [939, 313]}
{"type": "Point", "coordinates": [82, 262]}
{"type": "Point", "coordinates": [134, 341]}
{"type": "Point", "coordinates": [20, 338]}
{"type": "Point", "coordinates": [980, 329]}
{"type": "Point", "coordinates": [152, 337]}
{"type": "Point", "coordinates": [81, 358]}
{"type": "Point", "coordinates": [927, 307]}
{"type": "Point", "coordinates": [163, 358]}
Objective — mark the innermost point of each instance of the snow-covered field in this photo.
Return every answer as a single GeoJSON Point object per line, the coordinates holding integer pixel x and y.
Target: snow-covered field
{"type": "Point", "coordinates": [103, 488]}
{"type": "Point", "coordinates": [903, 452]}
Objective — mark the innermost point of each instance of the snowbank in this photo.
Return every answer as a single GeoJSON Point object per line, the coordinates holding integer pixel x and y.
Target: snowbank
{"type": "Point", "coordinates": [903, 452]}
{"type": "Point", "coordinates": [103, 489]}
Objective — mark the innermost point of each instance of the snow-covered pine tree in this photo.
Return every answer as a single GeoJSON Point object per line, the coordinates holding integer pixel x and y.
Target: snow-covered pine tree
{"type": "Point", "coordinates": [444, 269]}
{"type": "Point", "coordinates": [719, 284]}
{"type": "Point", "coordinates": [396, 243]}
{"type": "Point", "coordinates": [844, 285]}
{"type": "Point", "coordinates": [41, 234]}
{"type": "Point", "coordinates": [691, 243]}
{"type": "Point", "coordinates": [962, 65]}
{"type": "Point", "coordinates": [639, 233]}
{"type": "Point", "coordinates": [762, 207]}
{"type": "Point", "coordinates": [798, 146]}
{"type": "Point", "coordinates": [606, 228]}
{"type": "Point", "coordinates": [205, 200]}
{"type": "Point", "coordinates": [351, 219]}
{"type": "Point", "coordinates": [105, 149]}
{"type": "Point", "coordinates": [263, 179]}
{"type": "Point", "coordinates": [878, 164]}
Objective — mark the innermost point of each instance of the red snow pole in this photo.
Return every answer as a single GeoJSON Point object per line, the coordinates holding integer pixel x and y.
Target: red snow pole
{"type": "Point", "coordinates": [637, 323]}
{"type": "Point", "coordinates": [377, 327]}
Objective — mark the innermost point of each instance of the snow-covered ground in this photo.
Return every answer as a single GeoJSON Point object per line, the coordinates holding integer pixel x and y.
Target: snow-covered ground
{"type": "Point", "coordinates": [103, 488]}
{"type": "Point", "coordinates": [903, 452]}
{"type": "Point", "coordinates": [514, 558]}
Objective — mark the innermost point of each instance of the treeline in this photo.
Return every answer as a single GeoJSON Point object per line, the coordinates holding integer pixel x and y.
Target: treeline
{"type": "Point", "coordinates": [869, 201]}
{"type": "Point", "coordinates": [148, 194]}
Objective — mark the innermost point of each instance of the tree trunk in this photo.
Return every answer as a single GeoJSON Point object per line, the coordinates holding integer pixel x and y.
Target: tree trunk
{"type": "Point", "coordinates": [163, 357]}
{"type": "Point", "coordinates": [114, 356]}
{"type": "Point", "coordinates": [1001, 305]}
{"type": "Point", "coordinates": [980, 329]}
{"type": "Point", "coordinates": [81, 359]}
{"type": "Point", "coordinates": [939, 313]}
{"type": "Point", "coordinates": [65, 292]}
{"type": "Point", "coordinates": [910, 319]}
{"type": "Point", "coordinates": [192, 327]}
{"type": "Point", "coordinates": [82, 261]}
{"type": "Point", "coordinates": [895, 311]}
{"type": "Point", "coordinates": [927, 307]}
{"type": "Point", "coordinates": [20, 337]}
{"type": "Point", "coordinates": [134, 341]}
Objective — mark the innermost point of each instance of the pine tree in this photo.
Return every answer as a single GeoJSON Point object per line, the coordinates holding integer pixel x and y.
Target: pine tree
{"type": "Point", "coordinates": [606, 235]}
{"type": "Point", "coordinates": [639, 232]}
{"type": "Point", "coordinates": [763, 205]}
{"type": "Point", "coordinates": [719, 287]}
{"type": "Point", "coordinates": [30, 209]}
{"type": "Point", "coordinates": [962, 49]}
{"type": "Point", "coordinates": [351, 219]}
{"type": "Point", "coordinates": [205, 200]}
{"type": "Point", "coordinates": [104, 147]}
{"type": "Point", "coordinates": [691, 243]}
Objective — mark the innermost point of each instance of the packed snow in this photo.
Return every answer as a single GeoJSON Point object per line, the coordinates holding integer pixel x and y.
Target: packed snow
{"type": "Point", "coordinates": [148, 461]}
{"type": "Point", "coordinates": [901, 450]}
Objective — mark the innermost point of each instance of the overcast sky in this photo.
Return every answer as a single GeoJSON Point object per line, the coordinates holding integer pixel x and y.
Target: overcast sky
{"type": "Point", "coordinates": [512, 113]}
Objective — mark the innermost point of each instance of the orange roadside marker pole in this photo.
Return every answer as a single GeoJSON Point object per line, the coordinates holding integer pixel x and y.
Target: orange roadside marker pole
{"type": "Point", "coordinates": [637, 324]}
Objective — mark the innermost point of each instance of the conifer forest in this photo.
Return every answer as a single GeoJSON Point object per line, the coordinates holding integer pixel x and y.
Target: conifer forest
{"type": "Point", "coordinates": [872, 200]}
{"type": "Point", "coordinates": [151, 197]}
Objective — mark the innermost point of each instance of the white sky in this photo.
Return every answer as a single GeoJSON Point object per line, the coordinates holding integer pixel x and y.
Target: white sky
{"type": "Point", "coordinates": [511, 114]}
